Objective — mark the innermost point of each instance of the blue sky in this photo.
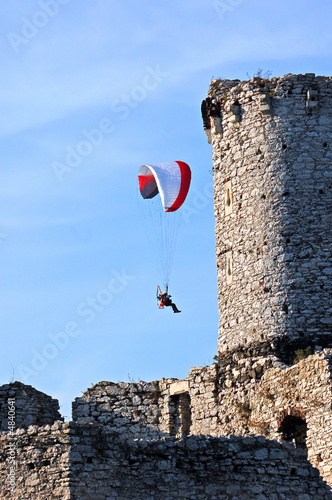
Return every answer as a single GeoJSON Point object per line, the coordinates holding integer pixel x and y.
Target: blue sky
{"type": "Point", "coordinates": [89, 92]}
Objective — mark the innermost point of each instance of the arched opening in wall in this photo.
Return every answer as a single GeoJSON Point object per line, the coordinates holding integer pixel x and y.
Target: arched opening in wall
{"type": "Point", "coordinates": [180, 414]}
{"type": "Point", "coordinates": [293, 428]}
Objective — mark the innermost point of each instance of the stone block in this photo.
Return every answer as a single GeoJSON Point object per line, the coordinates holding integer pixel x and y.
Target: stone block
{"type": "Point", "coordinates": [179, 387]}
{"type": "Point", "coordinates": [265, 108]}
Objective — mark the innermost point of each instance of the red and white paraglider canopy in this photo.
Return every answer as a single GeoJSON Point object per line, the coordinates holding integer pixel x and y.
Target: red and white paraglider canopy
{"type": "Point", "coordinates": [171, 180]}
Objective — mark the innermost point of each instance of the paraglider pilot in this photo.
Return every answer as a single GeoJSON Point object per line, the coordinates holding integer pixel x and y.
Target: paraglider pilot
{"type": "Point", "coordinates": [165, 300]}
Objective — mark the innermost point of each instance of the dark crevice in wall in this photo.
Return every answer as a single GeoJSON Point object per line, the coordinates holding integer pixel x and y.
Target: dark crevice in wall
{"type": "Point", "coordinates": [294, 430]}
{"type": "Point", "coordinates": [180, 414]}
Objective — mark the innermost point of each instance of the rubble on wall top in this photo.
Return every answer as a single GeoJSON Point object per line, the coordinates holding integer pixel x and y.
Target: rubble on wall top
{"type": "Point", "coordinates": [218, 87]}
{"type": "Point", "coordinates": [105, 387]}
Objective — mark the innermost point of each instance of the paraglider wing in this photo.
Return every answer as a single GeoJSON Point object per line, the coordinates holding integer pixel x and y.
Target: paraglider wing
{"type": "Point", "coordinates": [171, 180]}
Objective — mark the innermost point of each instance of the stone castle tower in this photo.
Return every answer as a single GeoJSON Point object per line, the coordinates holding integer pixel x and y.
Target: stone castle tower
{"type": "Point", "coordinates": [272, 163]}
{"type": "Point", "coordinates": [257, 424]}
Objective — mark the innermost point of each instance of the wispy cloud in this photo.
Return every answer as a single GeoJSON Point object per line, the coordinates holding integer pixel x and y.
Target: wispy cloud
{"type": "Point", "coordinates": [105, 50]}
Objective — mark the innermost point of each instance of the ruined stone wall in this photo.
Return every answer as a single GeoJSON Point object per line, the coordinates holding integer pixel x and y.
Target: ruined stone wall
{"type": "Point", "coordinates": [302, 391]}
{"type": "Point", "coordinates": [204, 395]}
{"type": "Point", "coordinates": [91, 461]}
{"type": "Point", "coordinates": [240, 395]}
{"type": "Point", "coordinates": [133, 408]}
{"type": "Point", "coordinates": [154, 440]}
{"type": "Point", "coordinates": [41, 468]}
{"type": "Point", "coordinates": [273, 205]}
{"type": "Point", "coordinates": [28, 406]}
{"type": "Point", "coordinates": [197, 468]}
{"type": "Point", "coordinates": [257, 395]}
{"type": "Point", "coordinates": [142, 409]}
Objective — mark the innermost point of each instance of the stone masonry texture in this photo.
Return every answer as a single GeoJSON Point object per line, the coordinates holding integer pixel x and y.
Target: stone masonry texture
{"type": "Point", "coordinates": [272, 164]}
{"type": "Point", "coordinates": [32, 407]}
{"type": "Point", "coordinates": [118, 457]}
